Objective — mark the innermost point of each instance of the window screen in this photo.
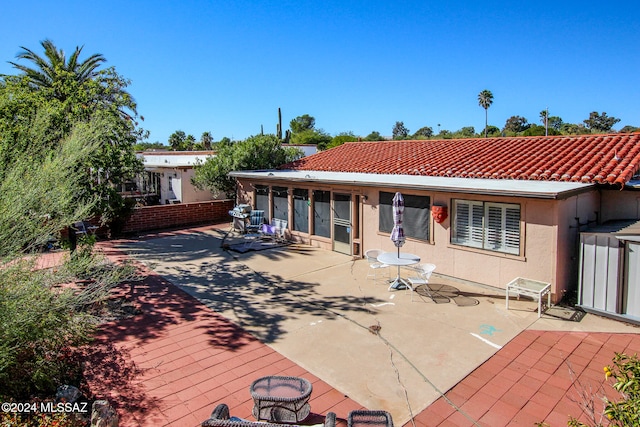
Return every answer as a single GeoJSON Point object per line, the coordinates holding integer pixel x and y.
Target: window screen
{"type": "Point", "coordinates": [280, 203]}
{"type": "Point", "coordinates": [322, 213]}
{"type": "Point", "coordinates": [262, 198]}
{"type": "Point", "coordinates": [301, 210]}
{"type": "Point", "coordinates": [416, 220]}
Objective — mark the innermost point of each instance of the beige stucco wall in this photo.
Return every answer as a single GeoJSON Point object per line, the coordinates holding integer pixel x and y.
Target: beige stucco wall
{"type": "Point", "coordinates": [189, 192]}
{"type": "Point", "coordinates": [183, 190]}
{"type": "Point", "coordinates": [620, 204]}
{"type": "Point", "coordinates": [549, 238]}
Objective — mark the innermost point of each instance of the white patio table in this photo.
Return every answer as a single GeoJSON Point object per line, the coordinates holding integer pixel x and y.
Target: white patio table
{"type": "Point", "coordinates": [401, 260]}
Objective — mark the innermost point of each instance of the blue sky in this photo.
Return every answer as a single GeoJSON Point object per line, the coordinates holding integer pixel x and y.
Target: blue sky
{"type": "Point", "coordinates": [359, 66]}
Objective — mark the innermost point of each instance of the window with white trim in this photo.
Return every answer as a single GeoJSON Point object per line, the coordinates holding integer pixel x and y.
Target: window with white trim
{"type": "Point", "coordinates": [486, 225]}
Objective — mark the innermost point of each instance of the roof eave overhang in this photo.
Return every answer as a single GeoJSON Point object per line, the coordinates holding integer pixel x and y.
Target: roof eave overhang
{"type": "Point", "coordinates": [553, 195]}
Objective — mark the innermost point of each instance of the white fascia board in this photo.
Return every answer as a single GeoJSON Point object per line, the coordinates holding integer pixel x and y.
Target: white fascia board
{"type": "Point", "coordinates": [172, 161]}
{"type": "Point", "coordinates": [502, 187]}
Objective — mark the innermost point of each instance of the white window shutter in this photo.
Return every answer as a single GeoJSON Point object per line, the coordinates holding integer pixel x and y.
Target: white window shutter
{"type": "Point", "coordinates": [468, 223]}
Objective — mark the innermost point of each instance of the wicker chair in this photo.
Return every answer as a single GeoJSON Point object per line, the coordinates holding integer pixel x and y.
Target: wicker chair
{"type": "Point", "coordinates": [281, 398]}
{"type": "Point", "coordinates": [220, 418]}
{"type": "Point", "coordinates": [364, 418]}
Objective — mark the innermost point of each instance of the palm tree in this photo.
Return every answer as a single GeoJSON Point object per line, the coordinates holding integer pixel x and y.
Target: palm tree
{"type": "Point", "coordinates": [485, 99]}
{"type": "Point", "coordinates": [52, 70]}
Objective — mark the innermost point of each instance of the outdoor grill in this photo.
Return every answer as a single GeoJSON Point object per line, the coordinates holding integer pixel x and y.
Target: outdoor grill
{"type": "Point", "coordinates": [239, 214]}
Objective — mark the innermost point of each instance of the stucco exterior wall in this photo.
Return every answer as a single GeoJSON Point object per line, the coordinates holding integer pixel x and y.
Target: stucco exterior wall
{"type": "Point", "coordinates": [189, 192]}
{"type": "Point", "coordinates": [620, 204]}
{"type": "Point", "coordinates": [181, 188]}
{"type": "Point", "coordinates": [549, 232]}
{"type": "Point", "coordinates": [490, 268]}
{"type": "Point", "coordinates": [572, 215]}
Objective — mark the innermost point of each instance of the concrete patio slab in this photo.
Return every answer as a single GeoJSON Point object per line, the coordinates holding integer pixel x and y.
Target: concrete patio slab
{"type": "Point", "coordinates": [318, 309]}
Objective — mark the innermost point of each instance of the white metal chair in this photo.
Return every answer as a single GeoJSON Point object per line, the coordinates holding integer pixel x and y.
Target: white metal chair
{"type": "Point", "coordinates": [424, 271]}
{"type": "Point", "coordinates": [374, 265]}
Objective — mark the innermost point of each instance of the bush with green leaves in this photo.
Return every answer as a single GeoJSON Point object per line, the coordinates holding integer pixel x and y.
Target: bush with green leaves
{"type": "Point", "coordinates": [44, 322]}
{"type": "Point", "coordinates": [255, 152]}
{"type": "Point", "coordinates": [46, 316]}
{"type": "Point", "coordinates": [624, 375]}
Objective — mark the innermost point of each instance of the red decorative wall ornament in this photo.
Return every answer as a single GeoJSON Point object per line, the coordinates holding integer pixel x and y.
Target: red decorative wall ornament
{"type": "Point", "coordinates": [439, 213]}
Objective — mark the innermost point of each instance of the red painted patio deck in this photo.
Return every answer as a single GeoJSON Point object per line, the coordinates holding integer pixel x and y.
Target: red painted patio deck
{"type": "Point", "coordinates": [536, 377]}
{"type": "Point", "coordinates": [178, 359]}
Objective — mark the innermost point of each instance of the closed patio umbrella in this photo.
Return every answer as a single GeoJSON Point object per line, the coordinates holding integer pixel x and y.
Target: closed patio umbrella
{"type": "Point", "coordinates": [397, 234]}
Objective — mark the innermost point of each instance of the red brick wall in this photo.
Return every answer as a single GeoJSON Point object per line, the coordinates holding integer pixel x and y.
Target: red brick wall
{"type": "Point", "coordinates": [167, 216]}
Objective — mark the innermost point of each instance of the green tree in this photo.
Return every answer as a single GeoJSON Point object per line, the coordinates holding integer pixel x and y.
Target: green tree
{"type": "Point", "coordinates": [224, 142]}
{"type": "Point", "coordinates": [485, 99]}
{"type": "Point", "coordinates": [54, 72]}
{"type": "Point", "coordinates": [206, 140]}
{"type": "Point", "coordinates": [302, 124]}
{"type": "Point", "coordinates": [40, 107]}
{"type": "Point", "coordinates": [177, 140]}
{"type": "Point", "coordinates": [537, 130]}
{"type": "Point", "coordinates": [399, 131]}
{"type": "Point", "coordinates": [515, 125]}
{"type": "Point", "coordinates": [303, 131]}
{"type": "Point", "coordinates": [374, 136]}
{"type": "Point", "coordinates": [341, 138]}
{"type": "Point", "coordinates": [425, 132]}
{"type": "Point", "coordinates": [144, 146]}
{"type": "Point", "coordinates": [445, 134]}
{"type": "Point", "coordinates": [629, 129]}
{"type": "Point", "coordinates": [555, 123]}
{"type": "Point", "coordinates": [316, 137]}
{"type": "Point", "coordinates": [465, 132]}
{"type": "Point", "coordinates": [255, 152]}
{"type": "Point", "coordinates": [574, 129]}
{"type": "Point", "coordinates": [189, 143]}
{"type": "Point", "coordinates": [600, 123]}
{"type": "Point", "coordinates": [492, 131]}
{"type": "Point", "coordinates": [38, 194]}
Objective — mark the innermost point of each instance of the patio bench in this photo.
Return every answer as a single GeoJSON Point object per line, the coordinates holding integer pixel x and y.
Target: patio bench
{"type": "Point", "coordinates": [220, 418]}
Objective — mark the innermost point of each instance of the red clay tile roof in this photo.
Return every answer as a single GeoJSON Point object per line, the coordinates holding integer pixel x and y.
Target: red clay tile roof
{"type": "Point", "coordinates": [602, 159]}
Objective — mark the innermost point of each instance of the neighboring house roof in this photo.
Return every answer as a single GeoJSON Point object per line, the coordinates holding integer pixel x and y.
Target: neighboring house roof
{"type": "Point", "coordinates": [595, 159]}
{"type": "Point", "coordinates": [174, 159]}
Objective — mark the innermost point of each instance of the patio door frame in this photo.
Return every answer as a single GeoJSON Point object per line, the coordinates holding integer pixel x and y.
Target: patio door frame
{"type": "Point", "coordinates": [341, 225]}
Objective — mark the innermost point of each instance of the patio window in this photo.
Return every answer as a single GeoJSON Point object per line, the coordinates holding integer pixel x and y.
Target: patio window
{"type": "Point", "coordinates": [280, 202]}
{"type": "Point", "coordinates": [262, 197]}
{"type": "Point", "coordinates": [486, 225]}
{"type": "Point", "coordinates": [417, 215]}
{"type": "Point", "coordinates": [301, 209]}
{"type": "Point", "coordinates": [322, 213]}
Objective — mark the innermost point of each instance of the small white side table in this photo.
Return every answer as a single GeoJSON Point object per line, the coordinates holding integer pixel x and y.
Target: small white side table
{"type": "Point", "coordinates": [531, 288]}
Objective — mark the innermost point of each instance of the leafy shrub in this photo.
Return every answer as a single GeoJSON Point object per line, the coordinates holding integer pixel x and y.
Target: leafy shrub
{"type": "Point", "coordinates": [625, 412]}
{"type": "Point", "coordinates": [45, 318]}
{"type": "Point", "coordinates": [60, 419]}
